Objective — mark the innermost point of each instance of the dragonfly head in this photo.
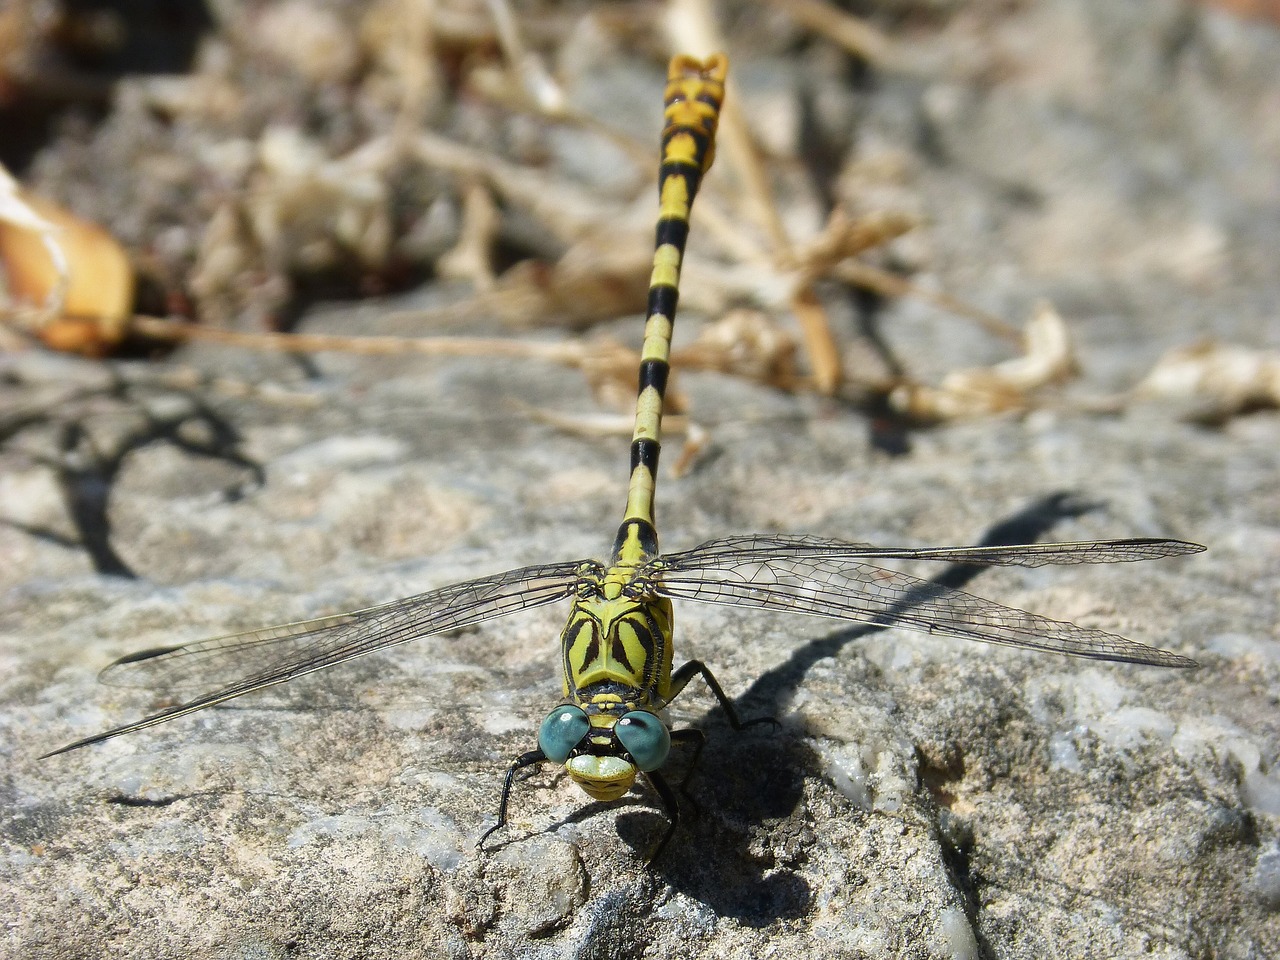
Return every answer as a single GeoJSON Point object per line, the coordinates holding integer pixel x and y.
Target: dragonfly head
{"type": "Point", "coordinates": [602, 752]}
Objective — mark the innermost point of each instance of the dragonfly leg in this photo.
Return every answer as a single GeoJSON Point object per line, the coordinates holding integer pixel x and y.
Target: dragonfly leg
{"type": "Point", "coordinates": [530, 759]}
{"type": "Point", "coordinates": [699, 740]}
{"type": "Point", "coordinates": [672, 808]}
{"type": "Point", "coordinates": [681, 677]}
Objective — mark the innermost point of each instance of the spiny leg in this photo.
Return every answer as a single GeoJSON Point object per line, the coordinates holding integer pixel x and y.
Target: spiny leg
{"type": "Point", "coordinates": [699, 740]}
{"type": "Point", "coordinates": [530, 759]}
{"type": "Point", "coordinates": [672, 808]}
{"type": "Point", "coordinates": [679, 680]}
{"type": "Point", "coordinates": [671, 804]}
{"type": "Point", "coordinates": [681, 677]}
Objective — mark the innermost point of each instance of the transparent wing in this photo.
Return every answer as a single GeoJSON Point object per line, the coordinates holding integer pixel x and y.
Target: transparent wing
{"type": "Point", "coordinates": [827, 578]}
{"type": "Point", "coordinates": [229, 667]}
{"type": "Point", "coordinates": [728, 550]}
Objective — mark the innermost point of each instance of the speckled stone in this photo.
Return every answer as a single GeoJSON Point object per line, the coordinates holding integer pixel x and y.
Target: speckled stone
{"type": "Point", "coordinates": [923, 797]}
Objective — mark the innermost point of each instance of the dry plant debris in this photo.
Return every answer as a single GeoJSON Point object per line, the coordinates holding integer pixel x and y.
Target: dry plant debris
{"type": "Point", "coordinates": [68, 281]}
{"type": "Point", "coordinates": [366, 145]}
{"type": "Point", "coordinates": [1008, 387]}
{"type": "Point", "coordinates": [1218, 380]}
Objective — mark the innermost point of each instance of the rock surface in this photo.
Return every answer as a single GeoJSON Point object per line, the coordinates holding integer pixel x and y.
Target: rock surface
{"type": "Point", "coordinates": [924, 797]}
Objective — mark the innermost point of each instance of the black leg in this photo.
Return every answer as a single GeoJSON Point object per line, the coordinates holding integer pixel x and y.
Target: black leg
{"type": "Point", "coordinates": [672, 807]}
{"type": "Point", "coordinates": [699, 740]}
{"type": "Point", "coordinates": [532, 758]}
{"type": "Point", "coordinates": [680, 679]}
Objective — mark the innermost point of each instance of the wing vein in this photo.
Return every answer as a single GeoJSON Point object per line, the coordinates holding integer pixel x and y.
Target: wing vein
{"type": "Point", "coordinates": [842, 588]}
{"type": "Point", "coordinates": [232, 666]}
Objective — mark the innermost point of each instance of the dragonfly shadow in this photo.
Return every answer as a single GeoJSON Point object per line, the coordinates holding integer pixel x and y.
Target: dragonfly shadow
{"type": "Point", "coordinates": [742, 781]}
{"type": "Point", "coordinates": [758, 778]}
{"type": "Point", "coordinates": [774, 689]}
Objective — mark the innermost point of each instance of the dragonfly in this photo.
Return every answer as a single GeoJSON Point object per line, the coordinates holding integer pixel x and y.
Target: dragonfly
{"type": "Point", "coordinates": [611, 724]}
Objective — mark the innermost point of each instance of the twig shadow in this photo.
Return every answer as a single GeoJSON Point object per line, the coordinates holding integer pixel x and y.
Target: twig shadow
{"type": "Point", "coordinates": [86, 470]}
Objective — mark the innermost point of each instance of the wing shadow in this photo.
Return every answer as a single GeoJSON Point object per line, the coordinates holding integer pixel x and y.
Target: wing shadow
{"type": "Point", "coordinates": [761, 776]}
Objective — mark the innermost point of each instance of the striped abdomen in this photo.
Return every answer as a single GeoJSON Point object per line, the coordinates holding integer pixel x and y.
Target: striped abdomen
{"type": "Point", "coordinates": [695, 91]}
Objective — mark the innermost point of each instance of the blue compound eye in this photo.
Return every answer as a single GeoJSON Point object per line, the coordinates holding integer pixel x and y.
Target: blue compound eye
{"type": "Point", "coordinates": [561, 731]}
{"type": "Point", "coordinates": [645, 737]}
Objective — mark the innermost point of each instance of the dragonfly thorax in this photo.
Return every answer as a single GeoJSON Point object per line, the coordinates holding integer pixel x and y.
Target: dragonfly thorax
{"type": "Point", "coordinates": [618, 634]}
{"type": "Point", "coordinates": [616, 650]}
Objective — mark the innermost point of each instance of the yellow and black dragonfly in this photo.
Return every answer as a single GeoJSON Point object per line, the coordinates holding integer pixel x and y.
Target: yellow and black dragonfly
{"type": "Point", "coordinates": [617, 645]}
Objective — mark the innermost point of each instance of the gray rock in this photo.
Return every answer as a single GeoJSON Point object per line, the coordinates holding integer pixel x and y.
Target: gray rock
{"type": "Point", "coordinates": [924, 797]}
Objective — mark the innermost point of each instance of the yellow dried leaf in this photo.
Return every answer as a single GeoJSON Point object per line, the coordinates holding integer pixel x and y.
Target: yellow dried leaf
{"type": "Point", "coordinates": [89, 293]}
